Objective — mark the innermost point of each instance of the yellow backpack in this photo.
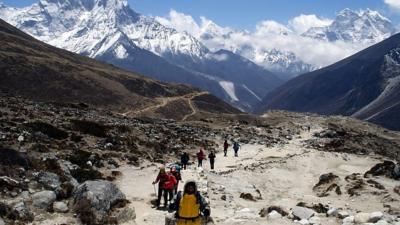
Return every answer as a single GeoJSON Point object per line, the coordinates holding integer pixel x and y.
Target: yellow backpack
{"type": "Point", "coordinates": [189, 206]}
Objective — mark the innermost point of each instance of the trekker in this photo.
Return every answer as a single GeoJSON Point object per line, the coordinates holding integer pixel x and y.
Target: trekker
{"type": "Point", "coordinates": [162, 179]}
{"type": "Point", "coordinates": [185, 160]}
{"type": "Point", "coordinates": [189, 206]}
{"type": "Point", "coordinates": [169, 186]}
{"type": "Point", "coordinates": [200, 157]}
{"type": "Point", "coordinates": [236, 148]}
{"type": "Point", "coordinates": [226, 146]}
{"type": "Point", "coordinates": [212, 157]}
{"type": "Point", "coordinates": [177, 174]}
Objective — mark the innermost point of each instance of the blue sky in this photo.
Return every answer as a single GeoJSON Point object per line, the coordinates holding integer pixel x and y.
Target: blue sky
{"type": "Point", "coordinates": [246, 13]}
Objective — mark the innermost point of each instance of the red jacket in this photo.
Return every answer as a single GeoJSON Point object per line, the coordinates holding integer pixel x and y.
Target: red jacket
{"type": "Point", "coordinates": [162, 178]}
{"type": "Point", "coordinates": [170, 184]}
{"type": "Point", "coordinates": [201, 155]}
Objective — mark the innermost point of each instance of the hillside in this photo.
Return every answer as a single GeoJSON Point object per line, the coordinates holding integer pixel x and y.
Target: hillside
{"type": "Point", "coordinates": [365, 85]}
{"type": "Point", "coordinates": [40, 72]}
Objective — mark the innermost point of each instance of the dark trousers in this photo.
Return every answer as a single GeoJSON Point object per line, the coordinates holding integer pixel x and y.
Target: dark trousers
{"type": "Point", "coordinates": [212, 164]}
{"type": "Point", "coordinates": [161, 192]}
{"type": "Point", "coordinates": [184, 165]}
{"type": "Point", "coordinates": [200, 164]}
{"type": "Point", "coordinates": [225, 151]}
{"type": "Point", "coordinates": [236, 152]}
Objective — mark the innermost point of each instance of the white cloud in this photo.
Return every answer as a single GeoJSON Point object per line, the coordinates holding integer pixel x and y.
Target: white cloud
{"type": "Point", "coordinates": [181, 22]}
{"type": "Point", "coordinates": [268, 35]}
{"type": "Point", "coordinates": [394, 4]}
{"type": "Point", "coordinates": [302, 23]}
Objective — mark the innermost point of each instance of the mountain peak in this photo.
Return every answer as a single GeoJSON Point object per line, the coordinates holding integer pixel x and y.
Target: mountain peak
{"type": "Point", "coordinates": [86, 4]}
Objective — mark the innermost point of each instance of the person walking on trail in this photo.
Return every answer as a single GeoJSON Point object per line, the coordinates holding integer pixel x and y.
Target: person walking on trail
{"type": "Point", "coordinates": [226, 146]}
{"type": "Point", "coordinates": [200, 157]}
{"type": "Point", "coordinates": [162, 179]}
{"type": "Point", "coordinates": [212, 157]}
{"type": "Point", "coordinates": [190, 207]}
{"type": "Point", "coordinates": [236, 148]}
{"type": "Point", "coordinates": [185, 160]}
{"type": "Point", "coordinates": [169, 186]}
{"type": "Point", "coordinates": [175, 171]}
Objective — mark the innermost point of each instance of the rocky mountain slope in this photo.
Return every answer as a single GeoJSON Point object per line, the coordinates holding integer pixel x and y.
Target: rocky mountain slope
{"type": "Point", "coordinates": [111, 31]}
{"type": "Point", "coordinates": [358, 27]}
{"type": "Point", "coordinates": [38, 71]}
{"type": "Point", "coordinates": [57, 160]}
{"type": "Point", "coordinates": [365, 85]}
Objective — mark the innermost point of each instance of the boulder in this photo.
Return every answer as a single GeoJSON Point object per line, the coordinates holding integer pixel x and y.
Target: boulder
{"type": "Point", "coordinates": [2, 221]}
{"type": "Point", "coordinates": [343, 214]}
{"type": "Point", "coordinates": [304, 222]}
{"type": "Point", "coordinates": [49, 180]}
{"type": "Point", "coordinates": [93, 200]}
{"type": "Point", "coordinates": [247, 196]}
{"type": "Point", "coordinates": [21, 212]}
{"type": "Point", "coordinates": [348, 220]}
{"type": "Point", "coordinates": [302, 213]}
{"type": "Point", "coordinates": [382, 222]}
{"type": "Point", "coordinates": [315, 220]}
{"type": "Point", "coordinates": [43, 199]}
{"type": "Point", "coordinates": [332, 212]}
{"type": "Point", "coordinates": [274, 215]}
{"type": "Point", "coordinates": [60, 207]}
{"type": "Point", "coordinates": [327, 183]}
{"type": "Point", "coordinates": [382, 169]}
{"type": "Point", "coordinates": [375, 217]}
{"type": "Point", "coordinates": [361, 218]}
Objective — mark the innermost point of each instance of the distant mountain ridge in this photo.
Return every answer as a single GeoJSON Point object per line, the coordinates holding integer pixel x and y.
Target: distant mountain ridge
{"type": "Point", "coordinates": [40, 72]}
{"type": "Point", "coordinates": [366, 26]}
{"type": "Point", "coordinates": [111, 31]}
{"type": "Point", "coordinates": [365, 85]}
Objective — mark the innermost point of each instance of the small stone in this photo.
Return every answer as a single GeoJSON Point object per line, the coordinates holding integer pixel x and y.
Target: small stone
{"type": "Point", "coordinates": [361, 218]}
{"type": "Point", "coordinates": [375, 217]}
{"type": "Point", "coordinates": [223, 197]}
{"type": "Point", "coordinates": [315, 220]}
{"type": "Point", "coordinates": [303, 213]}
{"type": "Point", "coordinates": [274, 215]}
{"type": "Point", "coordinates": [43, 199]}
{"type": "Point", "coordinates": [349, 219]}
{"type": "Point", "coordinates": [343, 214]}
{"type": "Point", "coordinates": [382, 222]}
{"type": "Point", "coordinates": [21, 138]}
{"type": "Point", "coordinates": [60, 207]}
{"type": "Point", "coordinates": [304, 222]}
{"type": "Point", "coordinates": [332, 212]}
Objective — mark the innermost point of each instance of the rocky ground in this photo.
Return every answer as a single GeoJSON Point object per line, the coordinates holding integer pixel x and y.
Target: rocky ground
{"type": "Point", "coordinates": [73, 164]}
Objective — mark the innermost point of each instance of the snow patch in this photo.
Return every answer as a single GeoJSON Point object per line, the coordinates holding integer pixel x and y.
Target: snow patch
{"type": "Point", "coordinates": [229, 88]}
{"type": "Point", "coordinates": [251, 92]}
{"type": "Point", "coordinates": [120, 52]}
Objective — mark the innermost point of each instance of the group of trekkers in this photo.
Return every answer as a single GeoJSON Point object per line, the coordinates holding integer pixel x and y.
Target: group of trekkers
{"type": "Point", "coordinates": [188, 204]}
{"type": "Point", "coordinates": [202, 156]}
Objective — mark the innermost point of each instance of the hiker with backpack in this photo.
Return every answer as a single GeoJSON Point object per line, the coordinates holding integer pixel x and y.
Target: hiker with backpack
{"type": "Point", "coordinates": [190, 207]}
{"type": "Point", "coordinates": [175, 171]}
{"type": "Point", "coordinates": [170, 185]}
{"type": "Point", "coordinates": [226, 146]}
{"type": "Point", "coordinates": [162, 179]}
{"type": "Point", "coordinates": [200, 157]}
{"type": "Point", "coordinates": [212, 157]}
{"type": "Point", "coordinates": [236, 147]}
{"type": "Point", "coordinates": [185, 160]}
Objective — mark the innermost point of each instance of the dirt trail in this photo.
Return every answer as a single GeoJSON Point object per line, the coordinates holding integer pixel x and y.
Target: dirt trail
{"type": "Point", "coordinates": [166, 101]}
{"type": "Point", "coordinates": [281, 175]}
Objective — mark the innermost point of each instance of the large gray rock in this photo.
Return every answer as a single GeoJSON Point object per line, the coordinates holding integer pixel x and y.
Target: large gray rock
{"type": "Point", "coordinates": [60, 207]}
{"type": "Point", "coordinates": [21, 212]}
{"type": "Point", "coordinates": [43, 199]}
{"type": "Point", "coordinates": [361, 218]}
{"type": "Point", "coordinates": [2, 221]}
{"type": "Point", "coordinates": [93, 200]}
{"type": "Point", "coordinates": [49, 180]}
{"type": "Point", "coordinates": [303, 213]}
{"type": "Point", "coordinates": [375, 217]}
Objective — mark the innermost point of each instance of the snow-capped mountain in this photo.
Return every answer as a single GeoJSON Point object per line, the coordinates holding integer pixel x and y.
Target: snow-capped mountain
{"type": "Point", "coordinates": [367, 27]}
{"type": "Point", "coordinates": [111, 31]}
